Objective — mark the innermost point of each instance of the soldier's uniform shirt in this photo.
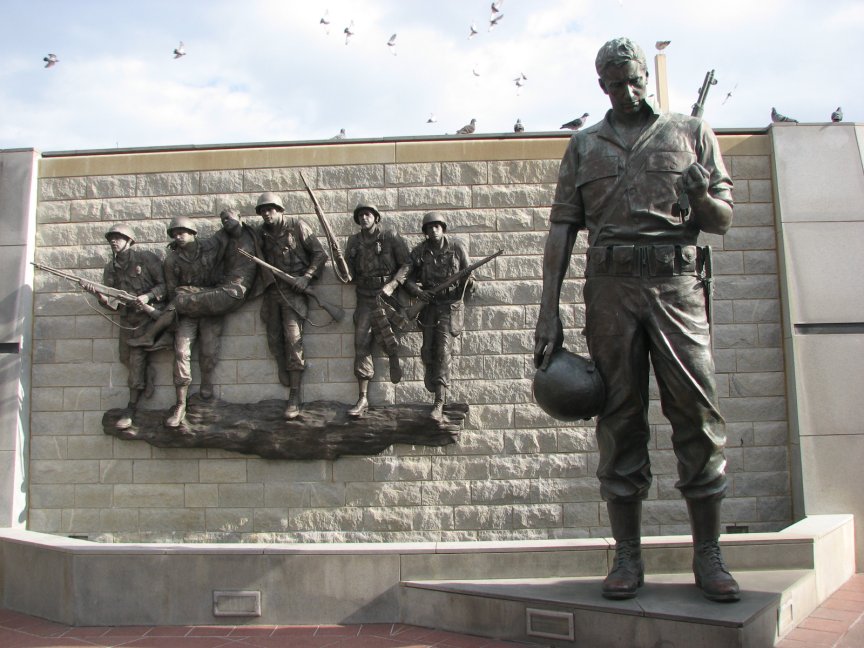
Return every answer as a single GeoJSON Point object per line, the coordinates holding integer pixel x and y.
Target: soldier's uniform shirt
{"type": "Point", "coordinates": [441, 320]}
{"type": "Point", "coordinates": [374, 260]}
{"type": "Point", "coordinates": [138, 272]}
{"type": "Point", "coordinates": [291, 247]}
{"type": "Point", "coordinates": [645, 296]}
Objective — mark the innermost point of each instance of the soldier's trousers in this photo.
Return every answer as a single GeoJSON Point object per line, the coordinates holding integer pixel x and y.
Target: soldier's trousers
{"type": "Point", "coordinates": [283, 314]}
{"type": "Point", "coordinates": [634, 321]}
{"type": "Point", "coordinates": [370, 322]}
{"type": "Point", "coordinates": [437, 350]}
{"type": "Point", "coordinates": [134, 358]}
{"type": "Point", "coordinates": [208, 331]}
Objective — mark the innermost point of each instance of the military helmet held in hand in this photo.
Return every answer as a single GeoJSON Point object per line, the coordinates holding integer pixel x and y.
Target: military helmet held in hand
{"type": "Point", "coordinates": [181, 222]}
{"type": "Point", "coordinates": [361, 206]}
{"type": "Point", "coordinates": [123, 230]}
{"type": "Point", "coordinates": [269, 198]}
{"type": "Point", "coordinates": [570, 388]}
{"type": "Point", "coordinates": [433, 217]}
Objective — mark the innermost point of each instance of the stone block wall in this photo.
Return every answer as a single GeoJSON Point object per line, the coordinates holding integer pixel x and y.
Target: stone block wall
{"type": "Point", "coordinates": [514, 474]}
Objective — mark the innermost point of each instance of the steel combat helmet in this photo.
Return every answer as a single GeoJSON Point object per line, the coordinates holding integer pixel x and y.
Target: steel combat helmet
{"type": "Point", "coordinates": [123, 230]}
{"type": "Point", "coordinates": [433, 217]}
{"type": "Point", "coordinates": [361, 206]}
{"type": "Point", "coordinates": [181, 222]}
{"type": "Point", "coordinates": [269, 198]}
{"type": "Point", "coordinates": [570, 388]}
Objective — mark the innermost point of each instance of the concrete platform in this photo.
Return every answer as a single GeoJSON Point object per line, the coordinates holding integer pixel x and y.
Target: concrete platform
{"type": "Point", "coordinates": [669, 611]}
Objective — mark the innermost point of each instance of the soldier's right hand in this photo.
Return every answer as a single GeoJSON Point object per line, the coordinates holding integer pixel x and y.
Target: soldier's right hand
{"type": "Point", "coordinates": [88, 286]}
{"type": "Point", "coordinates": [548, 336]}
{"type": "Point", "coordinates": [425, 296]}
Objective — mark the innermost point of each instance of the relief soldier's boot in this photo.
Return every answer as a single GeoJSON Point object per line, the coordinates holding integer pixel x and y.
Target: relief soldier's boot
{"type": "Point", "coordinates": [148, 338]}
{"type": "Point", "coordinates": [293, 409]}
{"type": "Point", "coordinates": [362, 405]}
{"type": "Point", "coordinates": [438, 406]}
{"type": "Point", "coordinates": [627, 573]}
{"type": "Point", "coordinates": [709, 569]}
{"type": "Point", "coordinates": [125, 421]}
{"type": "Point", "coordinates": [178, 412]}
{"type": "Point", "coordinates": [206, 390]}
{"type": "Point", "coordinates": [395, 369]}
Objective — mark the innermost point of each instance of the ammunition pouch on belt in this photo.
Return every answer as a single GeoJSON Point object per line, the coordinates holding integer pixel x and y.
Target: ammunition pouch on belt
{"type": "Point", "coordinates": [646, 261]}
{"type": "Point", "coordinates": [372, 282]}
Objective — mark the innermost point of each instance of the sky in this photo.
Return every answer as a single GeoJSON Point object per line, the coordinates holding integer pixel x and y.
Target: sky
{"type": "Point", "coordinates": [269, 71]}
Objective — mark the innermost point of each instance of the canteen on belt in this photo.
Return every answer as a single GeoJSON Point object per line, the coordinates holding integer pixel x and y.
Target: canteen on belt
{"type": "Point", "coordinates": [570, 388]}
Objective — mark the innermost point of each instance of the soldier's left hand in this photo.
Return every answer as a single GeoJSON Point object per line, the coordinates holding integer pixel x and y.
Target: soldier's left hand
{"type": "Point", "coordinates": [694, 181]}
{"type": "Point", "coordinates": [389, 288]}
{"type": "Point", "coordinates": [301, 284]}
{"type": "Point", "coordinates": [142, 299]}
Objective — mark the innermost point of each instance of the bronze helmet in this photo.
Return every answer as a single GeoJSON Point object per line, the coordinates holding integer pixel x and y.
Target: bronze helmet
{"type": "Point", "coordinates": [269, 198]}
{"type": "Point", "coordinates": [433, 217]}
{"type": "Point", "coordinates": [570, 388]}
{"type": "Point", "coordinates": [361, 206]}
{"type": "Point", "coordinates": [181, 222]}
{"type": "Point", "coordinates": [122, 230]}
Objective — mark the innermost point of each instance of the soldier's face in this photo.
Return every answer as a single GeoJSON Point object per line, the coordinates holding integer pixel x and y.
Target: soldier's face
{"type": "Point", "coordinates": [271, 215]}
{"type": "Point", "coordinates": [182, 237]}
{"type": "Point", "coordinates": [118, 243]}
{"type": "Point", "coordinates": [626, 86]}
{"type": "Point", "coordinates": [230, 223]}
{"type": "Point", "coordinates": [366, 220]}
{"type": "Point", "coordinates": [434, 231]}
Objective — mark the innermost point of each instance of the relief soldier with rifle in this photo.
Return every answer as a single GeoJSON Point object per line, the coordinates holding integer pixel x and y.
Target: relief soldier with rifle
{"type": "Point", "coordinates": [137, 274]}
{"type": "Point", "coordinates": [288, 244]}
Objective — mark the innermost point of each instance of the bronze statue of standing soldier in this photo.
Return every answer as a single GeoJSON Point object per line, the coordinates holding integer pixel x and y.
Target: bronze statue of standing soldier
{"type": "Point", "coordinates": [644, 185]}
{"type": "Point", "coordinates": [379, 263]}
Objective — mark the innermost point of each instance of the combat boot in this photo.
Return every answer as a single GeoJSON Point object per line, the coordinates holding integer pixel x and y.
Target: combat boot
{"type": "Point", "coordinates": [293, 409]}
{"type": "Point", "coordinates": [438, 405]}
{"type": "Point", "coordinates": [360, 407]}
{"type": "Point", "coordinates": [627, 573]}
{"type": "Point", "coordinates": [709, 569]}
{"type": "Point", "coordinates": [178, 412]}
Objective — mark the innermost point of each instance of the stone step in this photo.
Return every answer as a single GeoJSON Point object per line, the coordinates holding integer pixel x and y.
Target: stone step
{"type": "Point", "coordinates": [669, 611]}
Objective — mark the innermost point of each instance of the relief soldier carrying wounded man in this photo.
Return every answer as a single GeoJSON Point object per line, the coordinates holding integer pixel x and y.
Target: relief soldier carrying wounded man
{"type": "Point", "coordinates": [628, 181]}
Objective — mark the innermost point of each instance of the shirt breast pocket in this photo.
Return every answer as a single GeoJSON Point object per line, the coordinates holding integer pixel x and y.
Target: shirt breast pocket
{"type": "Point", "coordinates": [594, 179]}
{"type": "Point", "coordinates": [662, 171]}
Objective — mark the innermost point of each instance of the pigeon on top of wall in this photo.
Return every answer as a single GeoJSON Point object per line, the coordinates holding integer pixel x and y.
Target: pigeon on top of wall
{"type": "Point", "coordinates": [518, 127]}
{"type": "Point", "coordinates": [576, 124]}
{"type": "Point", "coordinates": [467, 129]}
{"type": "Point", "coordinates": [837, 115]}
{"type": "Point", "coordinates": [51, 60]}
{"type": "Point", "coordinates": [779, 117]}
{"type": "Point", "coordinates": [180, 50]}
{"type": "Point", "coordinates": [339, 135]}
{"type": "Point", "coordinates": [661, 45]}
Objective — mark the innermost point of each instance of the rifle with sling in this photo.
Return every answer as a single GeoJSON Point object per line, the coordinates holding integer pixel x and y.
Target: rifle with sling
{"type": "Point", "coordinates": [336, 312]}
{"type": "Point", "coordinates": [340, 266]}
{"type": "Point", "coordinates": [113, 297]}
{"type": "Point", "coordinates": [414, 309]}
{"type": "Point", "coordinates": [698, 111]}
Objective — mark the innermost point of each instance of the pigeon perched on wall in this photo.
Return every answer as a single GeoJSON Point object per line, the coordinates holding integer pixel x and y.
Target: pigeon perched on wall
{"type": "Point", "coordinates": [51, 60]}
{"type": "Point", "coordinates": [778, 117]}
{"type": "Point", "coordinates": [339, 135]}
{"type": "Point", "coordinates": [661, 45]}
{"type": "Point", "coordinates": [518, 127]}
{"type": "Point", "coordinates": [468, 128]}
{"type": "Point", "coordinates": [837, 115]}
{"type": "Point", "coordinates": [180, 50]}
{"type": "Point", "coordinates": [576, 124]}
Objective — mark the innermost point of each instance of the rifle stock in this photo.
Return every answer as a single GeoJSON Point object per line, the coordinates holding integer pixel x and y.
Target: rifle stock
{"type": "Point", "coordinates": [112, 296]}
{"type": "Point", "coordinates": [336, 312]}
{"type": "Point", "coordinates": [340, 266]}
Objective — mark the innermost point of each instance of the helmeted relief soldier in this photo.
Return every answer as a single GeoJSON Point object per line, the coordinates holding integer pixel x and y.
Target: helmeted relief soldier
{"type": "Point", "coordinates": [289, 245]}
{"type": "Point", "coordinates": [379, 263]}
{"type": "Point", "coordinates": [138, 272]}
{"type": "Point", "coordinates": [432, 261]}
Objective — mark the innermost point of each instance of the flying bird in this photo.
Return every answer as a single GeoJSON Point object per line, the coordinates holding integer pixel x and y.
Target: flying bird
{"type": "Point", "coordinates": [472, 31]}
{"type": "Point", "coordinates": [468, 128]}
{"type": "Point", "coordinates": [339, 135]}
{"type": "Point", "coordinates": [520, 81]}
{"type": "Point", "coordinates": [51, 60]}
{"type": "Point", "coordinates": [576, 124]}
{"type": "Point", "coordinates": [518, 127]}
{"type": "Point", "coordinates": [778, 117]}
{"type": "Point", "coordinates": [837, 115]}
{"type": "Point", "coordinates": [475, 71]}
{"type": "Point", "coordinates": [348, 32]}
{"type": "Point", "coordinates": [180, 50]}
{"type": "Point", "coordinates": [392, 44]}
{"type": "Point", "coordinates": [496, 6]}
{"type": "Point", "coordinates": [494, 20]}
{"type": "Point", "coordinates": [729, 94]}
{"type": "Point", "coordinates": [325, 21]}
{"type": "Point", "coordinates": [432, 118]}
{"type": "Point", "coordinates": [661, 45]}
